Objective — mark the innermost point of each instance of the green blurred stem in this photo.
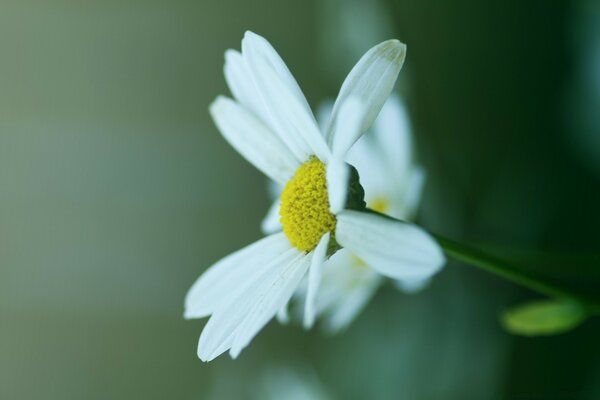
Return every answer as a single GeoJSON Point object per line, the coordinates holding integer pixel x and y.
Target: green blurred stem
{"type": "Point", "coordinates": [475, 257]}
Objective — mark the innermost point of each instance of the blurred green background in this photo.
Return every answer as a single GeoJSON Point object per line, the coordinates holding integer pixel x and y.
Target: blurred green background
{"type": "Point", "coordinates": [117, 191]}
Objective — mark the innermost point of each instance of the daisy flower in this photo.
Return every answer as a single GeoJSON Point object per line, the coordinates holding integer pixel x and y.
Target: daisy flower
{"type": "Point", "coordinates": [322, 208]}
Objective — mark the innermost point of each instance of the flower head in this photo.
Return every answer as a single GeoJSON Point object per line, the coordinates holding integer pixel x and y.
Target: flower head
{"type": "Point", "coordinates": [271, 125]}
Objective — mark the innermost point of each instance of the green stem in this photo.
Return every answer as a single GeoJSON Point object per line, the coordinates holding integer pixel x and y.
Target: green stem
{"type": "Point", "coordinates": [478, 258]}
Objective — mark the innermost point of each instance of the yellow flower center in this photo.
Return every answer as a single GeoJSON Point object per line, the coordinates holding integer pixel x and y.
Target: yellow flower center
{"type": "Point", "coordinates": [304, 207]}
{"type": "Point", "coordinates": [380, 205]}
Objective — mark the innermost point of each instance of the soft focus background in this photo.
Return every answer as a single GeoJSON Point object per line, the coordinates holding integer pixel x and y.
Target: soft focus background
{"type": "Point", "coordinates": [117, 191]}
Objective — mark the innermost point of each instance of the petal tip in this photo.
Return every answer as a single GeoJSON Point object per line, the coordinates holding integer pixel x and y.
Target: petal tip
{"type": "Point", "coordinates": [395, 49]}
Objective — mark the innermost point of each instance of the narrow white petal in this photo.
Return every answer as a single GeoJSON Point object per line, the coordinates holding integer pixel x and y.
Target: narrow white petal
{"type": "Point", "coordinates": [261, 46]}
{"type": "Point", "coordinates": [371, 80]}
{"type": "Point", "coordinates": [253, 140]}
{"type": "Point", "coordinates": [273, 296]}
{"type": "Point", "coordinates": [271, 224]}
{"type": "Point", "coordinates": [292, 120]}
{"type": "Point", "coordinates": [338, 175]}
{"type": "Point", "coordinates": [223, 278]}
{"type": "Point", "coordinates": [220, 332]}
{"type": "Point", "coordinates": [314, 279]}
{"type": "Point", "coordinates": [348, 127]}
{"type": "Point", "coordinates": [395, 249]}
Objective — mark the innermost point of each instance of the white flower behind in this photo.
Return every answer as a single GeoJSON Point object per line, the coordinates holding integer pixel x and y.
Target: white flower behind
{"type": "Point", "coordinates": [271, 125]}
{"type": "Point", "coordinates": [393, 185]}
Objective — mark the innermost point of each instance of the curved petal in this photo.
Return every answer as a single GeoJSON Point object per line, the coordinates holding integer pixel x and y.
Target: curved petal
{"type": "Point", "coordinates": [338, 174]}
{"type": "Point", "coordinates": [314, 280]}
{"type": "Point", "coordinates": [253, 140]}
{"type": "Point", "coordinates": [274, 295]}
{"type": "Point", "coordinates": [220, 332]}
{"type": "Point", "coordinates": [223, 278]}
{"type": "Point", "coordinates": [395, 249]}
{"type": "Point", "coordinates": [293, 122]}
{"type": "Point", "coordinates": [262, 46]}
{"type": "Point", "coordinates": [271, 223]}
{"type": "Point", "coordinates": [371, 80]}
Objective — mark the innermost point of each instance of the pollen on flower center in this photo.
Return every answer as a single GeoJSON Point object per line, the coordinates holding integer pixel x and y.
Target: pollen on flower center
{"type": "Point", "coordinates": [304, 210]}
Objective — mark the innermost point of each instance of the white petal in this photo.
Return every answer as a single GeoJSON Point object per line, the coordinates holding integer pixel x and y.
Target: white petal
{"type": "Point", "coordinates": [292, 120]}
{"type": "Point", "coordinates": [395, 249]}
{"type": "Point", "coordinates": [253, 140]}
{"type": "Point", "coordinates": [274, 295]}
{"type": "Point", "coordinates": [314, 279]}
{"type": "Point", "coordinates": [223, 278]}
{"type": "Point", "coordinates": [371, 80]}
{"type": "Point", "coordinates": [261, 46]}
{"type": "Point", "coordinates": [220, 331]}
{"type": "Point", "coordinates": [338, 175]}
{"type": "Point", "coordinates": [348, 127]}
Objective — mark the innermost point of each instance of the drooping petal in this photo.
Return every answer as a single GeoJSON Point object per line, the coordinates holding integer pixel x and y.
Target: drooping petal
{"type": "Point", "coordinates": [292, 120]}
{"type": "Point", "coordinates": [347, 129]}
{"type": "Point", "coordinates": [395, 249]}
{"type": "Point", "coordinates": [224, 278]}
{"type": "Point", "coordinates": [371, 80]}
{"type": "Point", "coordinates": [220, 332]}
{"type": "Point", "coordinates": [253, 140]}
{"type": "Point", "coordinates": [273, 296]}
{"type": "Point", "coordinates": [271, 223]}
{"type": "Point", "coordinates": [314, 279]}
{"type": "Point", "coordinates": [338, 174]}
